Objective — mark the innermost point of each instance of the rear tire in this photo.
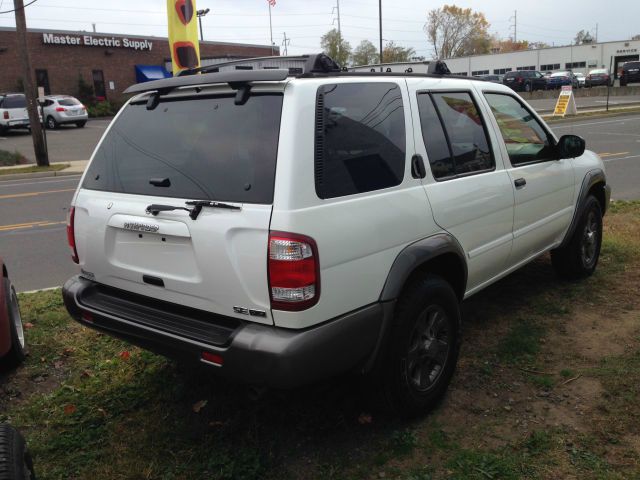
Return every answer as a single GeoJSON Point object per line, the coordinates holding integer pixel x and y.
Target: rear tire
{"type": "Point", "coordinates": [80, 124]}
{"type": "Point", "coordinates": [51, 123]}
{"type": "Point", "coordinates": [579, 258]}
{"type": "Point", "coordinates": [17, 353]}
{"type": "Point", "coordinates": [15, 459]}
{"type": "Point", "coordinates": [423, 346]}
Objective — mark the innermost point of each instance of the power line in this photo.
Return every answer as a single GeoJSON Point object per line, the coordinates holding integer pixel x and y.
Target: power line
{"type": "Point", "coordinates": [21, 8]}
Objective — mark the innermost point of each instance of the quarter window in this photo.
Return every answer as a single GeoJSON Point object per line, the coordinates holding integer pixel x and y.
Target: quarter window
{"type": "Point", "coordinates": [524, 137]}
{"type": "Point", "coordinates": [360, 138]}
{"type": "Point", "coordinates": [458, 120]}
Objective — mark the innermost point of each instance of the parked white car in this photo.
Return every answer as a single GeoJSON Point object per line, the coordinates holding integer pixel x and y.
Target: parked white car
{"type": "Point", "coordinates": [581, 79]}
{"type": "Point", "coordinates": [13, 112]}
{"type": "Point", "coordinates": [282, 229]}
{"type": "Point", "coordinates": [64, 109]}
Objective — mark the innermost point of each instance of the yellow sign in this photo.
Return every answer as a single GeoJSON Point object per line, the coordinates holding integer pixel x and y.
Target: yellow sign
{"type": "Point", "coordinates": [566, 102]}
{"type": "Point", "coordinates": [183, 34]}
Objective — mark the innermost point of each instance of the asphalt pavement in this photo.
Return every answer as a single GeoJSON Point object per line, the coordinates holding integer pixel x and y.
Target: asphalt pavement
{"type": "Point", "coordinates": [547, 105]}
{"type": "Point", "coordinates": [32, 212]}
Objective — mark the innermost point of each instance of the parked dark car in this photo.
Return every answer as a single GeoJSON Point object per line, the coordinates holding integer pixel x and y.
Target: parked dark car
{"type": "Point", "coordinates": [597, 77]}
{"type": "Point", "coordinates": [525, 81]}
{"type": "Point", "coordinates": [630, 73]}
{"type": "Point", "coordinates": [491, 78]}
{"type": "Point", "coordinates": [560, 79]}
{"type": "Point", "coordinates": [12, 345]}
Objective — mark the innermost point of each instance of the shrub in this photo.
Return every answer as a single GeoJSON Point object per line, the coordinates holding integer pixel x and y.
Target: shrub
{"type": "Point", "coordinates": [11, 158]}
{"type": "Point", "coordinates": [102, 109]}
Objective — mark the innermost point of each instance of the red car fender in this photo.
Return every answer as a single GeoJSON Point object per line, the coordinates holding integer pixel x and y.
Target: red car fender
{"type": "Point", "coordinates": [5, 333]}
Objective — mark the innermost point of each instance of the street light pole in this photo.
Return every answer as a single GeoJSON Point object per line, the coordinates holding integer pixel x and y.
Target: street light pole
{"type": "Point", "coordinates": [200, 14]}
{"type": "Point", "coordinates": [380, 18]}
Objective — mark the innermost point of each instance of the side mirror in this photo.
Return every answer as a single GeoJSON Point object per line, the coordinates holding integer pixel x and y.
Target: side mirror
{"type": "Point", "coordinates": [570, 146]}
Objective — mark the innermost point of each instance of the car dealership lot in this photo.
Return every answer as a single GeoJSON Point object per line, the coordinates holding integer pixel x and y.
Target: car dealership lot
{"type": "Point", "coordinates": [33, 211]}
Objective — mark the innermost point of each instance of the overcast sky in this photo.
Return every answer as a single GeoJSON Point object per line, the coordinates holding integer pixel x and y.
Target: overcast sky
{"type": "Point", "coordinates": [304, 21]}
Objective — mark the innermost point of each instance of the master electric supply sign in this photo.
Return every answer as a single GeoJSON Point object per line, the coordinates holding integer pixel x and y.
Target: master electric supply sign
{"type": "Point", "coordinates": [93, 41]}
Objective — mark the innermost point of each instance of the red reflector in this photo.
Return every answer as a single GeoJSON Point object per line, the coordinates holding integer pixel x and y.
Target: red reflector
{"type": "Point", "coordinates": [87, 317]}
{"type": "Point", "coordinates": [210, 357]}
{"type": "Point", "coordinates": [71, 234]}
{"type": "Point", "coordinates": [61, 109]}
{"type": "Point", "coordinates": [6, 115]}
{"type": "Point", "coordinates": [294, 271]}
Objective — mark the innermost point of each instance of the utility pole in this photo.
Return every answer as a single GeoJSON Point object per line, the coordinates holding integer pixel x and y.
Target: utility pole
{"type": "Point", "coordinates": [285, 44]}
{"type": "Point", "coordinates": [29, 90]}
{"type": "Point", "coordinates": [515, 26]}
{"type": "Point", "coordinates": [337, 10]}
{"type": "Point", "coordinates": [380, 19]}
{"type": "Point", "coordinates": [596, 40]}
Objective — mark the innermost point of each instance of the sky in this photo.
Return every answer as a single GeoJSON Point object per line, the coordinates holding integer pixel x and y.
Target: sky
{"type": "Point", "coordinates": [305, 21]}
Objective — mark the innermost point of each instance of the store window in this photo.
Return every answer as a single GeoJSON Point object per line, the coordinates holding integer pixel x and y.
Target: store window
{"type": "Point", "coordinates": [98, 84]}
{"type": "Point", "coordinates": [42, 80]}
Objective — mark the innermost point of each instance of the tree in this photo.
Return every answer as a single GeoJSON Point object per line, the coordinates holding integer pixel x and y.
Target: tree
{"type": "Point", "coordinates": [365, 54]}
{"type": "Point", "coordinates": [456, 32]}
{"type": "Point", "coordinates": [635, 37]}
{"type": "Point", "coordinates": [583, 37]}
{"type": "Point", "coordinates": [508, 45]}
{"type": "Point", "coordinates": [538, 45]}
{"type": "Point", "coordinates": [393, 53]}
{"type": "Point", "coordinates": [336, 47]}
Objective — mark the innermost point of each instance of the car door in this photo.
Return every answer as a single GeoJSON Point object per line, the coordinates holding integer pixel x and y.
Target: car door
{"type": "Point", "coordinates": [543, 185]}
{"type": "Point", "coordinates": [466, 183]}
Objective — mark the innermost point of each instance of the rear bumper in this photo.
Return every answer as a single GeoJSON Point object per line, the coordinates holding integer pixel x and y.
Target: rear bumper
{"type": "Point", "coordinates": [253, 353]}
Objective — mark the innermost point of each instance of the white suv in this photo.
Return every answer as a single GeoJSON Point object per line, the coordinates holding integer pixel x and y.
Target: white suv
{"type": "Point", "coordinates": [284, 228]}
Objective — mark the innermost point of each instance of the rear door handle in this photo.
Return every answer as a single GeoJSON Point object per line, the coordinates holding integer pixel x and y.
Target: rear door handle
{"type": "Point", "coordinates": [519, 182]}
{"type": "Point", "coordinates": [417, 167]}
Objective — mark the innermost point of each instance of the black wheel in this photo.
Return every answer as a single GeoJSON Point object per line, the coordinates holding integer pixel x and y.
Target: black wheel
{"type": "Point", "coordinates": [17, 353]}
{"type": "Point", "coordinates": [80, 124]}
{"type": "Point", "coordinates": [579, 258]}
{"type": "Point", "coordinates": [51, 123]}
{"type": "Point", "coordinates": [423, 347]}
{"type": "Point", "coordinates": [15, 459]}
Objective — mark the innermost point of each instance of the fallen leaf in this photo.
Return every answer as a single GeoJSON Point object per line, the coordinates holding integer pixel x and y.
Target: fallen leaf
{"type": "Point", "coordinates": [58, 364]}
{"type": "Point", "coordinates": [125, 355]}
{"type": "Point", "coordinates": [217, 424]}
{"type": "Point", "coordinates": [199, 405]}
{"type": "Point", "coordinates": [365, 419]}
{"type": "Point", "coordinates": [43, 360]}
{"type": "Point", "coordinates": [86, 374]}
{"type": "Point", "coordinates": [69, 409]}
{"type": "Point", "coordinates": [28, 325]}
{"type": "Point", "coordinates": [68, 351]}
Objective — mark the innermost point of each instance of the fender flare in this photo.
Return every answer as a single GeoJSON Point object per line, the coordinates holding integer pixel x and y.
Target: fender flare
{"type": "Point", "coordinates": [417, 254]}
{"type": "Point", "coordinates": [591, 178]}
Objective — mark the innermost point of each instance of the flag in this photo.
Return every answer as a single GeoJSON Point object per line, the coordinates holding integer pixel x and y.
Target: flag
{"type": "Point", "coordinates": [183, 34]}
{"type": "Point", "coordinates": [272, 3]}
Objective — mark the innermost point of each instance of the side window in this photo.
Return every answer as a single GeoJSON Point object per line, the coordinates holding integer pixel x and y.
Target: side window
{"type": "Point", "coordinates": [435, 140]}
{"type": "Point", "coordinates": [523, 135]}
{"type": "Point", "coordinates": [360, 138]}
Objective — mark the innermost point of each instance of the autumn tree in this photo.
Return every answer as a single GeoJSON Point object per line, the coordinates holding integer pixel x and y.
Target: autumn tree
{"type": "Point", "coordinates": [508, 45]}
{"type": "Point", "coordinates": [393, 53]}
{"type": "Point", "coordinates": [365, 54]}
{"type": "Point", "coordinates": [583, 37]}
{"type": "Point", "coordinates": [336, 47]}
{"type": "Point", "coordinates": [635, 37]}
{"type": "Point", "coordinates": [456, 32]}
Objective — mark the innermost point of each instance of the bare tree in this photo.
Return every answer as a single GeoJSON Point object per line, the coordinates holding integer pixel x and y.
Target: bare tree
{"type": "Point", "coordinates": [455, 32]}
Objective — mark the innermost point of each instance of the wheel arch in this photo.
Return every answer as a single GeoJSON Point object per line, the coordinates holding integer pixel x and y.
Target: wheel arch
{"type": "Point", "coordinates": [440, 254]}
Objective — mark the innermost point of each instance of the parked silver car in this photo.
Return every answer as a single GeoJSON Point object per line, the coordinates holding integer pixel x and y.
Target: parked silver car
{"type": "Point", "coordinates": [61, 109]}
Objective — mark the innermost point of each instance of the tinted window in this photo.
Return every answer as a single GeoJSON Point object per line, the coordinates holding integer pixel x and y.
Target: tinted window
{"type": "Point", "coordinates": [434, 138]}
{"type": "Point", "coordinates": [14, 101]}
{"type": "Point", "coordinates": [208, 148]}
{"type": "Point", "coordinates": [630, 65]}
{"type": "Point", "coordinates": [360, 138]}
{"type": "Point", "coordinates": [511, 75]}
{"type": "Point", "coordinates": [465, 130]}
{"type": "Point", "coordinates": [524, 137]}
{"type": "Point", "coordinates": [68, 102]}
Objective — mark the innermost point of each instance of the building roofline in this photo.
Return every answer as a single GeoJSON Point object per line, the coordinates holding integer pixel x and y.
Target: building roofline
{"type": "Point", "coordinates": [126, 35]}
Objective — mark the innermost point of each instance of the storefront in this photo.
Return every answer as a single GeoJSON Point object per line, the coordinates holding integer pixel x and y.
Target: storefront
{"type": "Point", "coordinates": [67, 62]}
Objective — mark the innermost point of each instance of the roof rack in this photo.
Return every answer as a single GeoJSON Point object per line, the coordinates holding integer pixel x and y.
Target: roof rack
{"type": "Point", "coordinates": [297, 65]}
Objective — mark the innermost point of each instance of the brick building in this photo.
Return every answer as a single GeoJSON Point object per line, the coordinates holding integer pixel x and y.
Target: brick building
{"type": "Point", "coordinates": [108, 63]}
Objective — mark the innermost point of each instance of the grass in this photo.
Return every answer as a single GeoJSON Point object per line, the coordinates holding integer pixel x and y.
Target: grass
{"type": "Point", "coordinates": [56, 167]}
{"type": "Point", "coordinates": [530, 398]}
{"type": "Point", "coordinates": [11, 158]}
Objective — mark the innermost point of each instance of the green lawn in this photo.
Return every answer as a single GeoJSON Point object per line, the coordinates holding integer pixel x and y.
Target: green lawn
{"type": "Point", "coordinates": [547, 387]}
{"type": "Point", "coordinates": [56, 167]}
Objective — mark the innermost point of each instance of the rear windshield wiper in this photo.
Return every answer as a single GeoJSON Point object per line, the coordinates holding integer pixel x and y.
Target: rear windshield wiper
{"type": "Point", "coordinates": [197, 205]}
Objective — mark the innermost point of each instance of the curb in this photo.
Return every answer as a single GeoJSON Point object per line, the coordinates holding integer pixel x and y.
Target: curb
{"type": "Point", "coordinates": [22, 176]}
{"type": "Point", "coordinates": [549, 119]}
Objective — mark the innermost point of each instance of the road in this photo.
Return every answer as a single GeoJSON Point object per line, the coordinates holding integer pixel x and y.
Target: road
{"type": "Point", "coordinates": [546, 105]}
{"type": "Point", "coordinates": [65, 144]}
{"type": "Point", "coordinates": [32, 212]}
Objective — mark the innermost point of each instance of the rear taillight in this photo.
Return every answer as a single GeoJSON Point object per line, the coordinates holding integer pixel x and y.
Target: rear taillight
{"type": "Point", "coordinates": [71, 235]}
{"type": "Point", "coordinates": [6, 115]}
{"type": "Point", "coordinates": [294, 271]}
{"type": "Point", "coordinates": [61, 109]}
{"type": "Point", "coordinates": [520, 80]}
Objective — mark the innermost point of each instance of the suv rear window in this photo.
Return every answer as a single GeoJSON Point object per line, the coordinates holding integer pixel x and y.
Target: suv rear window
{"type": "Point", "coordinates": [360, 138]}
{"type": "Point", "coordinates": [68, 102]}
{"type": "Point", "coordinates": [630, 65]}
{"type": "Point", "coordinates": [208, 149]}
{"type": "Point", "coordinates": [14, 101]}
